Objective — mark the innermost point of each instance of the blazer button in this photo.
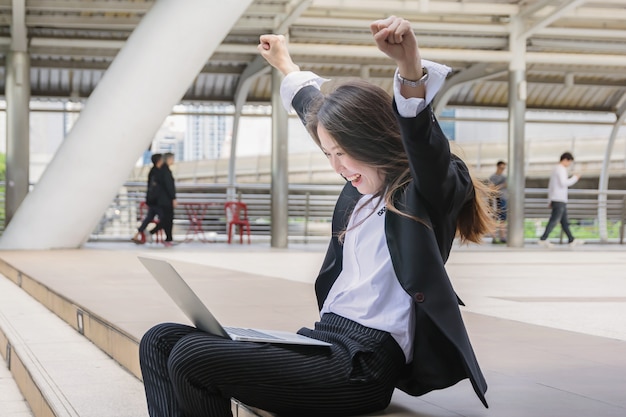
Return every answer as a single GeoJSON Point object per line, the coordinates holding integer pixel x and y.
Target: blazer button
{"type": "Point", "coordinates": [419, 297]}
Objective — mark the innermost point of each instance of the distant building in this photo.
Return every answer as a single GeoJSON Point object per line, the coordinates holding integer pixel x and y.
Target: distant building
{"type": "Point", "coordinates": [206, 132]}
{"type": "Point", "coordinates": [167, 139]}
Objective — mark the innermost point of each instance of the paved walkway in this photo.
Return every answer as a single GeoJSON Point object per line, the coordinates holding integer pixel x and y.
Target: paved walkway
{"type": "Point", "coordinates": [548, 326]}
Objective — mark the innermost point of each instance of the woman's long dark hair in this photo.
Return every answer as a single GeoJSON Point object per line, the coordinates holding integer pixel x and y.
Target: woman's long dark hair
{"type": "Point", "coordinates": [359, 117]}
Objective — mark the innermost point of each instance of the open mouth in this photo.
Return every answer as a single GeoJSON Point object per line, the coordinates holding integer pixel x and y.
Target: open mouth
{"type": "Point", "coordinates": [354, 179]}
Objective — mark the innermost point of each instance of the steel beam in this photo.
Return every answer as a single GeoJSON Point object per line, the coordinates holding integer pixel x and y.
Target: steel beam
{"type": "Point", "coordinates": [553, 16]}
{"type": "Point", "coordinates": [300, 50]}
{"type": "Point", "coordinates": [257, 68]}
{"type": "Point", "coordinates": [474, 73]}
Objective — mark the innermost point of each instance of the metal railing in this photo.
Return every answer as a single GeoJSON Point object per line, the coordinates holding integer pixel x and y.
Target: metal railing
{"type": "Point", "coordinates": [582, 204]}
{"type": "Point", "coordinates": [582, 211]}
{"type": "Point", "coordinates": [310, 210]}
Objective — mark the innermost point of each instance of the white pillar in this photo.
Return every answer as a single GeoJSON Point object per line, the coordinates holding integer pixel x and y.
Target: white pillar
{"type": "Point", "coordinates": [280, 170]}
{"type": "Point", "coordinates": [17, 92]}
{"type": "Point", "coordinates": [149, 75]}
{"type": "Point", "coordinates": [517, 110]}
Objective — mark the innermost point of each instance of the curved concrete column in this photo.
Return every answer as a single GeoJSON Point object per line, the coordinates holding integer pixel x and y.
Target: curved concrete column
{"type": "Point", "coordinates": [149, 75]}
{"type": "Point", "coordinates": [603, 185]}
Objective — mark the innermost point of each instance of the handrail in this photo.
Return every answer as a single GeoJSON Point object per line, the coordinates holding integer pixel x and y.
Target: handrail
{"type": "Point", "coordinates": [310, 207]}
{"type": "Point", "coordinates": [576, 191]}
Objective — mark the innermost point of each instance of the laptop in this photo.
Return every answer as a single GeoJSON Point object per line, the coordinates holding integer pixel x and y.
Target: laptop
{"type": "Point", "coordinates": [201, 317]}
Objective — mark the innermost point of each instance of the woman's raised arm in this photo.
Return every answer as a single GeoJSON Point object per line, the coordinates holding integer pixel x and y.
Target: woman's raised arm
{"type": "Point", "coordinates": [274, 49]}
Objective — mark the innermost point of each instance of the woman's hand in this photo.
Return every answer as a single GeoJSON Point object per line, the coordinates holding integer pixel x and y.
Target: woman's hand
{"type": "Point", "coordinates": [395, 37]}
{"type": "Point", "coordinates": [274, 49]}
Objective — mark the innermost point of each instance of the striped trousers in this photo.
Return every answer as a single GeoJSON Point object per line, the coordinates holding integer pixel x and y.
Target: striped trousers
{"type": "Point", "coordinates": [190, 373]}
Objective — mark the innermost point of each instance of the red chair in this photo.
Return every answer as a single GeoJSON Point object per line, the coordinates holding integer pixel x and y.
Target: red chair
{"type": "Point", "coordinates": [237, 215]}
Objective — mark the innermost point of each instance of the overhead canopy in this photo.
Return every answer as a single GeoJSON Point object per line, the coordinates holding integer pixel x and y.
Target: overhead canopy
{"type": "Point", "coordinates": [576, 51]}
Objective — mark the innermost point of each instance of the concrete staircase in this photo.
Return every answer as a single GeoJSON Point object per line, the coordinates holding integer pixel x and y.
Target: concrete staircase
{"type": "Point", "coordinates": [59, 372]}
{"type": "Point", "coordinates": [67, 361]}
{"type": "Point", "coordinates": [70, 318]}
{"type": "Point", "coordinates": [12, 401]}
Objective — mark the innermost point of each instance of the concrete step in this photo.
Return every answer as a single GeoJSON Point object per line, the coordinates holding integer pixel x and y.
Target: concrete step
{"type": "Point", "coordinates": [12, 402]}
{"type": "Point", "coordinates": [113, 352]}
{"type": "Point", "coordinates": [59, 372]}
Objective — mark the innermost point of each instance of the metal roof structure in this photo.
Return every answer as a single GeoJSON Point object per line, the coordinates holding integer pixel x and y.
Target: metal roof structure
{"type": "Point", "coordinates": [575, 49]}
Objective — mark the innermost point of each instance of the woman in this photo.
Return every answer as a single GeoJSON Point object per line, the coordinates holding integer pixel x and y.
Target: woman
{"type": "Point", "coordinates": [387, 305]}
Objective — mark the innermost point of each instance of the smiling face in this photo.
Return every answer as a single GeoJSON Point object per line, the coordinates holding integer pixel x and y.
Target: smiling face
{"type": "Point", "coordinates": [365, 178]}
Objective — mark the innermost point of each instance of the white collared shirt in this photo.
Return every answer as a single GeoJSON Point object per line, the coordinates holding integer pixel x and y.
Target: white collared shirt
{"type": "Point", "coordinates": [557, 187]}
{"type": "Point", "coordinates": [367, 290]}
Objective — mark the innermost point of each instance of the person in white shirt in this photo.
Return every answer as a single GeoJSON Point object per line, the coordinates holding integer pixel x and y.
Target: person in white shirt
{"type": "Point", "coordinates": [386, 303]}
{"type": "Point", "coordinates": [557, 194]}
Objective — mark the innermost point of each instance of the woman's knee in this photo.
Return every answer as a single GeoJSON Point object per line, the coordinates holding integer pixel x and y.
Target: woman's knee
{"type": "Point", "coordinates": [185, 350]}
{"type": "Point", "coordinates": [198, 352]}
{"type": "Point", "coordinates": [163, 335]}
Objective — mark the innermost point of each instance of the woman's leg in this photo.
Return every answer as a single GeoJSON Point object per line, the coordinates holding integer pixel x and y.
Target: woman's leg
{"type": "Point", "coordinates": [154, 352]}
{"type": "Point", "coordinates": [204, 372]}
{"type": "Point", "coordinates": [161, 213]}
{"type": "Point", "coordinates": [168, 222]}
{"type": "Point", "coordinates": [149, 217]}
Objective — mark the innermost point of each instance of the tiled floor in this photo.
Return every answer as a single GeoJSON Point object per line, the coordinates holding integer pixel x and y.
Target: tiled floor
{"type": "Point", "coordinates": [548, 326]}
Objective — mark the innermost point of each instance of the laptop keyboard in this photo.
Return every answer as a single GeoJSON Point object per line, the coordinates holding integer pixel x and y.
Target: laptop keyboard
{"type": "Point", "coordinates": [249, 333]}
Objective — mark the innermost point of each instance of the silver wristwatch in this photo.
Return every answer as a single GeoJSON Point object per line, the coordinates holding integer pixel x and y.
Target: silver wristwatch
{"type": "Point", "coordinates": [414, 83]}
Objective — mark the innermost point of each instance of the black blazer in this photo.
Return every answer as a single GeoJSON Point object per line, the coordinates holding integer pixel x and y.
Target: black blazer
{"type": "Point", "coordinates": [168, 187]}
{"type": "Point", "coordinates": [441, 185]}
{"type": "Point", "coordinates": [153, 189]}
